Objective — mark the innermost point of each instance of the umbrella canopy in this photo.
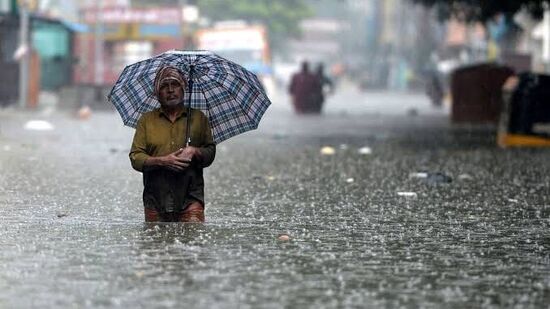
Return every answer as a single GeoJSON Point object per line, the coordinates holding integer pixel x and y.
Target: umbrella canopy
{"type": "Point", "coordinates": [231, 97]}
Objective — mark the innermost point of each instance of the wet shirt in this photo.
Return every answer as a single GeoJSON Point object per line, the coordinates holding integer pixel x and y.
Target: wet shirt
{"type": "Point", "coordinates": [155, 136]}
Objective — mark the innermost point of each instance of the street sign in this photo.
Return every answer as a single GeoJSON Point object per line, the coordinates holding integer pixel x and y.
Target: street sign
{"type": "Point", "coordinates": [159, 16]}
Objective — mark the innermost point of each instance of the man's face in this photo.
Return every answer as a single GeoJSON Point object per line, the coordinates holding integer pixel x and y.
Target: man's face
{"type": "Point", "coordinates": [170, 93]}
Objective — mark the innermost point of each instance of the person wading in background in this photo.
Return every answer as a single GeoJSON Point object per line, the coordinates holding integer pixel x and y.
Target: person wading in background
{"type": "Point", "coordinates": [304, 89]}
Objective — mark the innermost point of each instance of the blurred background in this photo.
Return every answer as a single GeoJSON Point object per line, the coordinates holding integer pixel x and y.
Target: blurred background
{"type": "Point", "coordinates": [69, 53]}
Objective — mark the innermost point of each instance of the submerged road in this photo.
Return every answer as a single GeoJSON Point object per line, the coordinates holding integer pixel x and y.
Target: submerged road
{"type": "Point", "coordinates": [385, 206]}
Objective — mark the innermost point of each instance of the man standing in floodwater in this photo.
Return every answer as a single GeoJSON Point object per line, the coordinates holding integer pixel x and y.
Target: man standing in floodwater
{"type": "Point", "coordinates": [304, 88]}
{"type": "Point", "coordinates": [172, 172]}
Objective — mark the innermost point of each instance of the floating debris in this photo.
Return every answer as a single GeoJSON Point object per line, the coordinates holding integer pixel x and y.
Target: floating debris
{"type": "Point", "coordinates": [364, 151]}
{"type": "Point", "coordinates": [61, 215]}
{"type": "Point", "coordinates": [465, 177]}
{"type": "Point", "coordinates": [38, 125]}
{"type": "Point", "coordinates": [328, 151]}
{"type": "Point", "coordinates": [84, 112]}
{"type": "Point", "coordinates": [436, 178]}
{"type": "Point", "coordinates": [350, 180]}
{"type": "Point", "coordinates": [432, 178]}
{"type": "Point", "coordinates": [284, 237]}
{"type": "Point", "coordinates": [407, 194]}
{"type": "Point", "coordinates": [140, 274]}
{"type": "Point", "coordinates": [421, 175]}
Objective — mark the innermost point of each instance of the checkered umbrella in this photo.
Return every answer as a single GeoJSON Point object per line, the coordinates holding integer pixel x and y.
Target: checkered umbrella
{"type": "Point", "coordinates": [230, 96]}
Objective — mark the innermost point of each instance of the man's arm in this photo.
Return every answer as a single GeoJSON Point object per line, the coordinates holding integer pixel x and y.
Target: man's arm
{"type": "Point", "coordinates": [208, 149]}
{"type": "Point", "coordinates": [138, 152]}
{"type": "Point", "coordinates": [208, 153]}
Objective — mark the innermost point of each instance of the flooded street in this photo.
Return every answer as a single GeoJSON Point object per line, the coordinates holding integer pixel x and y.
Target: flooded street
{"type": "Point", "coordinates": [404, 210]}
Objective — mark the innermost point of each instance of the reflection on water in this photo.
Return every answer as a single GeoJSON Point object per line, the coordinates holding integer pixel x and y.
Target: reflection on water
{"type": "Point", "coordinates": [72, 234]}
{"type": "Point", "coordinates": [417, 255]}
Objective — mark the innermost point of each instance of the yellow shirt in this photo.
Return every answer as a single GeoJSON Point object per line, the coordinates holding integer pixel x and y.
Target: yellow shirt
{"type": "Point", "coordinates": [157, 136]}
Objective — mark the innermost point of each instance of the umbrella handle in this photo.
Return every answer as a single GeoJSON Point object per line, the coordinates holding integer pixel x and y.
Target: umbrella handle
{"type": "Point", "coordinates": [190, 82]}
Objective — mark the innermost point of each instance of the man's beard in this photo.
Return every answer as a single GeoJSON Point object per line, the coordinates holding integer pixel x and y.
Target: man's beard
{"type": "Point", "coordinates": [172, 103]}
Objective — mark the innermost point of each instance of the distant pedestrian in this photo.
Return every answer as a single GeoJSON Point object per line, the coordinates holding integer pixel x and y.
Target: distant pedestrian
{"type": "Point", "coordinates": [172, 173]}
{"type": "Point", "coordinates": [434, 88]}
{"type": "Point", "coordinates": [326, 86]}
{"type": "Point", "coordinates": [304, 89]}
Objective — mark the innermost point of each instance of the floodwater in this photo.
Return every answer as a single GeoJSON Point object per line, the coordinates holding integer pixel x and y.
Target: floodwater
{"type": "Point", "coordinates": [72, 232]}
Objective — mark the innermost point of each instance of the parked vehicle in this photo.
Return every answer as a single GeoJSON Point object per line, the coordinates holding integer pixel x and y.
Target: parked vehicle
{"type": "Point", "coordinates": [243, 43]}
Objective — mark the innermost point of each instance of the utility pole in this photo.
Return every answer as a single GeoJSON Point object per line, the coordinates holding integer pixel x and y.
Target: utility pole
{"type": "Point", "coordinates": [98, 45]}
{"type": "Point", "coordinates": [546, 38]}
{"type": "Point", "coordinates": [26, 52]}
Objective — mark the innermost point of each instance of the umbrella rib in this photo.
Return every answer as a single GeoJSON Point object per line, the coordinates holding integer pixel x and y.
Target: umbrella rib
{"type": "Point", "coordinates": [246, 78]}
{"type": "Point", "coordinates": [232, 95]}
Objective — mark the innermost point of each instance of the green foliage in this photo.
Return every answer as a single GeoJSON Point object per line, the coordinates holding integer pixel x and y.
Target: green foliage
{"type": "Point", "coordinates": [483, 10]}
{"type": "Point", "coordinates": [280, 16]}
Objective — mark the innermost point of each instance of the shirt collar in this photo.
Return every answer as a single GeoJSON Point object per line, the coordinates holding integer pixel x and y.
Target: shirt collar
{"type": "Point", "coordinates": [181, 113]}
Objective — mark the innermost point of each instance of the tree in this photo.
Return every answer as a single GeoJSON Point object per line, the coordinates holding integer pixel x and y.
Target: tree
{"type": "Point", "coordinates": [281, 17]}
{"type": "Point", "coordinates": [505, 31]}
{"type": "Point", "coordinates": [484, 10]}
